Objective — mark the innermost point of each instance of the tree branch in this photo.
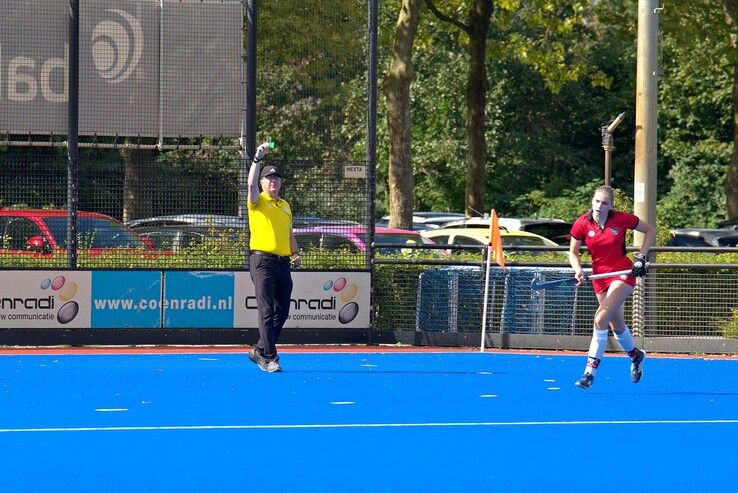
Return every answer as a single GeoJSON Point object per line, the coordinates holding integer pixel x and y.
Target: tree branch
{"type": "Point", "coordinates": [730, 11]}
{"type": "Point", "coordinates": [432, 7]}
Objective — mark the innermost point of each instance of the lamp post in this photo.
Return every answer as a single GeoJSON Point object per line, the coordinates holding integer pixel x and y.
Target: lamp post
{"type": "Point", "coordinates": [607, 143]}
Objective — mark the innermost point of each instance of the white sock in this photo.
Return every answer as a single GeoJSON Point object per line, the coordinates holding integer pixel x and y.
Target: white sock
{"type": "Point", "coordinates": [596, 350]}
{"type": "Point", "coordinates": [625, 339]}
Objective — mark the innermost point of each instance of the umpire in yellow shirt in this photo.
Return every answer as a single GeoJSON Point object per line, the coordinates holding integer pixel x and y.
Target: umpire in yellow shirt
{"type": "Point", "coordinates": [273, 249]}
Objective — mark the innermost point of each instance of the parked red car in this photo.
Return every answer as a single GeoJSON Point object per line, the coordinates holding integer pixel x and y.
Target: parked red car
{"type": "Point", "coordinates": [43, 232]}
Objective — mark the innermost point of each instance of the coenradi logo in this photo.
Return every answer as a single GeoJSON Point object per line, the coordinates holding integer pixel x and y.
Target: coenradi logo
{"type": "Point", "coordinates": [66, 291]}
{"type": "Point", "coordinates": [117, 45]}
{"type": "Point", "coordinates": [346, 292]}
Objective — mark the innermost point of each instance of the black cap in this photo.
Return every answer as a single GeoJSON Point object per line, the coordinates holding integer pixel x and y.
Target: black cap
{"type": "Point", "coordinates": [269, 171]}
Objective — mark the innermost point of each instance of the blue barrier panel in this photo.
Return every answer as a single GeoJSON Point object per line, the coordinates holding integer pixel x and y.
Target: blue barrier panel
{"type": "Point", "coordinates": [450, 298]}
{"type": "Point", "coordinates": [547, 311]}
{"type": "Point", "coordinates": [123, 299]}
{"type": "Point", "coordinates": [198, 299]}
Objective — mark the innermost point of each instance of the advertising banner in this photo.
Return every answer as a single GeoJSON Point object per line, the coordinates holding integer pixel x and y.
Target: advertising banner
{"type": "Point", "coordinates": [147, 67]}
{"type": "Point", "coordinates": [202, 70]}
{"type": "Point", "coordinates": [198, 299]}
{"type": "Point", "coordinates": [319, 300]}
{"type": "Point", "coordinates": [45, 299]}
{"type": "Point", "coordinates": [123, 299]}
{"type": "Point", "coordinates": [177, 299]}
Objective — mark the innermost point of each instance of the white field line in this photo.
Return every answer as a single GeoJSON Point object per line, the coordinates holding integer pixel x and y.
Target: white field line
{"type": "Point", "coordinates": [373, 425]}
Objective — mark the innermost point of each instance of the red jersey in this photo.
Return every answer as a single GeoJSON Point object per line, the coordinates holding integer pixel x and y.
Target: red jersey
{"type": "Point", "coordinates": [606, 245]}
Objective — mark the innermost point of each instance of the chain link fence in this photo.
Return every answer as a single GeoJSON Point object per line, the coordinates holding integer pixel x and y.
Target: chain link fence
{"type": "Point", "coordinates": [686, 308]}
{"type": "Point", "coordinates": [185, 208]}
{"type": "Point", "coordinates": [162, 101]}
{"type": "Point", "coordinates": [162, 168]}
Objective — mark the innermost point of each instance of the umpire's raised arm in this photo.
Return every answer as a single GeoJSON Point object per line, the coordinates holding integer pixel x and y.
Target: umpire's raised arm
{"type": "Point", "coordinates": [254, 190]}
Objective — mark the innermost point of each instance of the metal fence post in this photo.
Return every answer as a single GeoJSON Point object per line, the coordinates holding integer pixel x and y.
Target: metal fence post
{"type": "Point", "coordinates": [73, 135]}
{"type": "Point", "coordinates": [639, 309]}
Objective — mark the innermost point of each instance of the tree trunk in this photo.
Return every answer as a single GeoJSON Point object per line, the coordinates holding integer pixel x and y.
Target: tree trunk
{"type": "Point", "coordinates": [397, 92]}
{"type": "Point", "coordinates": [137, 194]}
{"type": "Point", "coordinates": [731, 180]}
{"type": "Point", "coordinates": [476, 97]}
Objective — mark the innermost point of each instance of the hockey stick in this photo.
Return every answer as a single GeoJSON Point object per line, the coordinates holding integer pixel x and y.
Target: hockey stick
{"type": "Point", "coordinates": [535, 285]}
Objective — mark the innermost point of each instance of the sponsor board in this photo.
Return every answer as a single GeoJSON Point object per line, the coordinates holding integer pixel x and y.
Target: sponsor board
{"type": "Point", "coordinates": [319, 300]}
{"type": "Point", "coordinates": [180, 299]}
{"type": "Point", "coordinates": [126, 299]}
{"type": "Point", "coordinates": [198, 300]}
{"type": "Point", "coordinates": [146, 68]}
{"type": "Point", "coordinates": [45, 299]}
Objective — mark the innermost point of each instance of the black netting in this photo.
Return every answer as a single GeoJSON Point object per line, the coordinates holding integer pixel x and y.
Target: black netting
{"type": "Point", "coordinates": [162, 95]}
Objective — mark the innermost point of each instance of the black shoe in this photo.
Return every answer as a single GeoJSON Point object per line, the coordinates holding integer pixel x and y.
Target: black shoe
{"type": "Point", "coordinates": [276, 358]}
{"type": "Point", "coordinates": [268, 365]}
{"type": "Point", "coordinates": [256, 357]}
{"type": "Point", "coordinates": [636, 365]}
{"type": "Point", "coordinates": [585, 382]}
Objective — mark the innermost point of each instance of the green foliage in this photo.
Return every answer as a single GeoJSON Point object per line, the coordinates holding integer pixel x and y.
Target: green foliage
{"type": "Point", "coordinates": [697, 134]}
{"type": "Point", "coordinates": [697, 198]}
{"type": "Point", "coordinates": [438, 111]}
{"type": "Point", "coordinates": [729, 327]}
{"type": "Point", "coordinates": [394, 296]}
{"type": "Point", "coordinates": [573, 203]}
{"type": "Point", "coordinates": [31, 262]}
{"type": "Point", "coordinates": [556, 71]}
{"type": "Point", "coordinates": [695, 106]}
{"type": "Point", "coordinates": [696, 258]}
{"type": "Point", "coordinates": [546, 101]}
{"type": "Point", "coordinates": [539, 33]}
{"type": "Point", "coordinates": [701, 20]}
{"type": "Point", "coordinates": [338, 259]}
{"type": "Point", "coordinates": [216, 253]}
{"type": "Point", "coordinates": [536, 141]}
{"type": "Point", "coordinates": [311, 66]}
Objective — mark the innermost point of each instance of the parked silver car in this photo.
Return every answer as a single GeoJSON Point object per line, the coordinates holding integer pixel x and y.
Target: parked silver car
{"type": "Point", "coordinates": [226, 221]}
{"type": "Point", "coordinates": [703, 237]}
{"type": "Point", "coordinates": [426, 220]}
{"type": "Point", "coordinates": [556, 230]}
{"type": "Point", "coordinates": [195, 219]}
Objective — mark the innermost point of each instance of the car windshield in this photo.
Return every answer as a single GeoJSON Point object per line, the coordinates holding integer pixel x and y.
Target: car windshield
{"type": "Point", "coordinates": [549, 230]}
{"type": "Point", "coordinates": [680, 240]}
{"type": "Point", "coordinates": [403, 239]}
{"type": "Point", "coordinates": [521, 241]}
{"type": "Point", "coordinates": [728, 241]}
{"type": "Point", "coordinates": [164, 240]}
{"type": "Point", "coordinates": [94, 232]}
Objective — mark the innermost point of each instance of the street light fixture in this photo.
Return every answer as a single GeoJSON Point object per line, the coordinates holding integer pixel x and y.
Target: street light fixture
{"type": "Point", "coordinates": [607, 142]}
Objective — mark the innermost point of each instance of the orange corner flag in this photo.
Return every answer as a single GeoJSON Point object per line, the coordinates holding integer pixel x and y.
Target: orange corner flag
{"type": "Point", "coordinates": [495, 241]}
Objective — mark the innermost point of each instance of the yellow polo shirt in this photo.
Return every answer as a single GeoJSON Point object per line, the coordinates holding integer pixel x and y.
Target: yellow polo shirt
{"type": "Point", "coordinates": [270, 225]}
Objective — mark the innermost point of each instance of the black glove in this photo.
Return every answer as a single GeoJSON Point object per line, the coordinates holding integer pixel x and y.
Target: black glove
{"type": "Point", "coordinates": [639, 266]}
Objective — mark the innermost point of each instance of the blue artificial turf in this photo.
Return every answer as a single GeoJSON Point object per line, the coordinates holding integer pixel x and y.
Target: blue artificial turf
{"type": "Point", "coordinates": [364, 422]}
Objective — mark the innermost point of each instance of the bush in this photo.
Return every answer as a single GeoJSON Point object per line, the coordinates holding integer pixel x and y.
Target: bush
{"type": "Point", "coordinates": [730, 327]}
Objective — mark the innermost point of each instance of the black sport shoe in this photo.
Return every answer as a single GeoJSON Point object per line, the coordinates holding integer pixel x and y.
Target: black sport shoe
{"type": "Point", "coordinates": [585, 382]}
{"type": "Point", "coordinates": [256, 357]}
{"type": "Point", "coordinates": [636, 365]}
{"type": "Point", "coordinates": [268, 365]}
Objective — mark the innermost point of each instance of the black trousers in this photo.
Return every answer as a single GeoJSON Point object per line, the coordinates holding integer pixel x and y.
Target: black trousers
{"type": "Point", "coordinates": [273, 289]}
